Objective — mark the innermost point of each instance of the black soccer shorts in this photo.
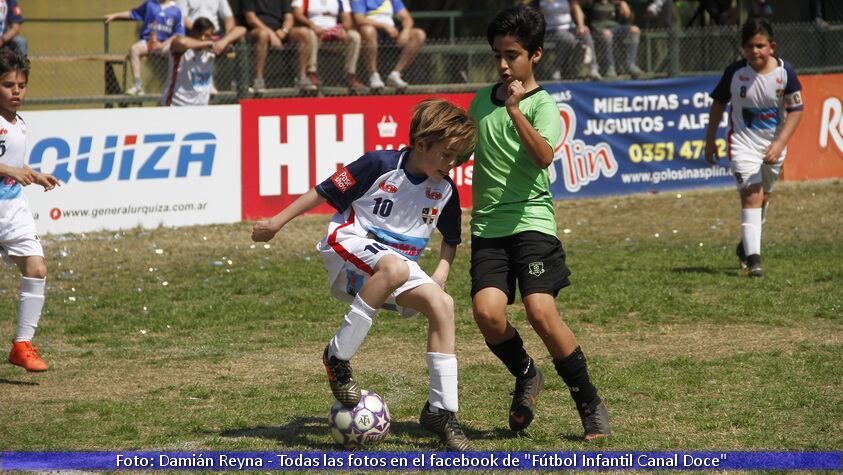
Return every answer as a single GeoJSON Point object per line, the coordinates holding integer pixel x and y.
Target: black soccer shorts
{"type": "Point", "coordinates": [535, 260]}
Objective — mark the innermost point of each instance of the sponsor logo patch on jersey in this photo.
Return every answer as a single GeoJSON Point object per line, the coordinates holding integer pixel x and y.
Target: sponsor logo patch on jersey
{"type": "Point", "coordinates": [429, 215]}
{"type": "Point", "coordinates": [432, 194]}
{"type": "Point", "coordinates": [343, 180]}
{"type": "Point", "coordinates": [796, 98]}
{"type": "Point", "coordinates": [388, 187]}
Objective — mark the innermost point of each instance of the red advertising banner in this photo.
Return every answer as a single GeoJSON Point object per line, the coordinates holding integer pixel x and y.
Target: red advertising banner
{"type": "Point", "coordinates": [816, 149]}
{"type": "Point", "coordinates": [291, 145]}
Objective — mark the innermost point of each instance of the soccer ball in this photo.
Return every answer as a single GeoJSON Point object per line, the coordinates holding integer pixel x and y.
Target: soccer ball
{"type": "Point", "coordinates": [366, 423]}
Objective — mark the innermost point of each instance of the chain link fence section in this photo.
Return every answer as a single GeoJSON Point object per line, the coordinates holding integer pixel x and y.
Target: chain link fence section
{"type": "Point", "coordinates": [79, 77]}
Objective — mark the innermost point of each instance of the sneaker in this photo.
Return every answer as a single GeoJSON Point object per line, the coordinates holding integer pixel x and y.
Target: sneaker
{"type": "Point", "coordinates": [375, 81]}
{"type": "Point", "coordinates": [136, 90]}
{"type": "Point", "coordinates": [611, 73]}
{"type": "Point", "coordinates": [305, 84]}
{"type": "Point", "coordinates": [258, 85]}
{"type": "Point", "coordinates": [25, 355]}
{"type": "Point", "coordinates": [753, 262]}
{"type": "Point", "coordinates": [742, 258]}
{"type": "Point", "coordinates": [343, 385]}
{"type": "Point", "coordinates": [314, 78]}
{"type": "Point", "coordinates": [446, 425]}
{"type": "Point", "coordinates": [594, 75]}
{"type": "Point", "coordinates": [634, 71]}
{"type": "Point", "coordinates": [394, 80]}
{"type": "Point", "coordinates": [595, 421]}
{"type": "Point", "coordinates": [354, 84]}
{"type": "Point", "coordinates": [556, 76]}
{"type": "Point", "coordinates": [524, 398]}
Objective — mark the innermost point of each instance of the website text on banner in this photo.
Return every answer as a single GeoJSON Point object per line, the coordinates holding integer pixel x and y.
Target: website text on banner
{"type": "Point", "coordinates": [816, 149]}
{"type": "Point", "coordinates": [124, 168]}
{"type": "Point", "coordinates": [290, 145]}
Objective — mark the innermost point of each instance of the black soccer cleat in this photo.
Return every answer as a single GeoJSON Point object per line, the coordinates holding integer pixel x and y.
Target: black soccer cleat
{"type": "Point", "coordinates": [446, 425]}
{"type": "Point", "coordinates": [753, 263]}
{"type": "Point", "coordinates": [524, 398]}
{"type": "Point", "coordinates": [343, 385]}
{"type": "Point", "coordinates": [595, 420]}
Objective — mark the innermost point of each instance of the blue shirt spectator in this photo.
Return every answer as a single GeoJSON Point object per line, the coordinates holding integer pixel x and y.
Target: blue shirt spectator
{"type": "Point", "coordinates": [162, 17]}
{"type": "Point", "coordinates": [10, 21]}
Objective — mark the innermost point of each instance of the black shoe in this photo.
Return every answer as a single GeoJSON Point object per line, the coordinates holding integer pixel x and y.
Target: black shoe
{"type": "Point", "coordinates": [753, 263]}
{"type": "Point", "coordinates": [595, 420]}
{"type": "Point", "coordinates": [446, 425]}
{"type": "Point", "coordinates": [343, 385]}
{"type": "Point", "coordinates": [523, 406]}
{"type": "Point", "coordinates": [742, 258]}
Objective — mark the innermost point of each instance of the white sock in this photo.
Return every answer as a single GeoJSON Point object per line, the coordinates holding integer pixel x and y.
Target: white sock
{"type": "Point", "coordinates": [353, 330]}
{"type": "Point", "coordinates": [29, 307]}
{"type": "Point", "coordinates": [751, 230]}
{"type": "Point", "coordinates": [443, 381]}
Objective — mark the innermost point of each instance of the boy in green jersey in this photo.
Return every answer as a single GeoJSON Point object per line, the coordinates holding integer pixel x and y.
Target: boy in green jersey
{"type": "Point", "coordinates": [513, 225]}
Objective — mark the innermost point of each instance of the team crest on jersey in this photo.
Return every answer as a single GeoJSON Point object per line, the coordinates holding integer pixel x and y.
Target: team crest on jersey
{"type": "Point", "coordinates": [779, 94]}
{"type": "Point", "coordinates": [432, 194]}
{"type": "Point", "coordinates": [796, 98]}
{"type": "Point", "coordinates": [536, 268]}
{"type": "Point", "coordinates": [343, 180]}
{"type": "Point", "coordinates": [429, 215]}
{"type": "Point", "coordinates": [388, 187]}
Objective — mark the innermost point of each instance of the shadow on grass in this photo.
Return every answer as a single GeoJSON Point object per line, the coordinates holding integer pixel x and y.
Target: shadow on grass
{"type": "Point", "coordinates": [312, 432]}
{"type": "Point", "coordinates": [17, 383]}
{"type": "Point", "coordinates": [703, 270]}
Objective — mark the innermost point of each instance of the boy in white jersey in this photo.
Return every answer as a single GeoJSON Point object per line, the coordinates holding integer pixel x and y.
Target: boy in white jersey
{"type": "Point", "coordinates": [19, 243]}
{"type": "Point", "coordinates": [191, 73]}
{"type": "Point", "coordinates": [388, 203]}
{"type": "Point", "coordinates": [766, 109]}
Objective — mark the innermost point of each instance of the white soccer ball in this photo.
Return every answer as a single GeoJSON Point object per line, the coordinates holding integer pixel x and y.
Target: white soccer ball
{"type": "Point", "coordinates": [365, 424]}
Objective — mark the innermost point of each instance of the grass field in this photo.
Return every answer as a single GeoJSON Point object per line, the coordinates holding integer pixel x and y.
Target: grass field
{"type": "Point", "coordinates": [197, 339]}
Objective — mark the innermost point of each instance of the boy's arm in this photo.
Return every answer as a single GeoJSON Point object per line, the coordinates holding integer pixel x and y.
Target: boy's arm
{"type": "Point", "coordinates": [267, 229]}
{"type": "Point", "coordinates": [715, 115]}
{"type": "Point", "coordinates": [540, 151]}
{"type": "Point", "coordinates": [183, 43]}
{"type": "Point", "coordinates": [127, 15]}
{"type": "Point", "coordinates": [447, 253]}
{"type": "Point", "coordinates": [25, 176]}
{"type": "Point", "coordinates": [45, 179]}
{"type": "Point", "coordinates": [774, 151]}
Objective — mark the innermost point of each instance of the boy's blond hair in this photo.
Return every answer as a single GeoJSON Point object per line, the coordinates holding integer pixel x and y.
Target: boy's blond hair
{"type": "Point", "coordinates": [437, 119]}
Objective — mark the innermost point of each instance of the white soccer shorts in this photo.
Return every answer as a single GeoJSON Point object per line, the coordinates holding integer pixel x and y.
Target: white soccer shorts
{"type": "Point", "coordinates": [750, 169]}
{"type": "Point", "coordinates": [27, 245]}
{"type": "Point", "coordinates": [350, 261]}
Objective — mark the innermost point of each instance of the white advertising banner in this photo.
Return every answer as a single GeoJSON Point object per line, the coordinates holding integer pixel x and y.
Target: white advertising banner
{"type": "Point", "coordinates": [123, 168]}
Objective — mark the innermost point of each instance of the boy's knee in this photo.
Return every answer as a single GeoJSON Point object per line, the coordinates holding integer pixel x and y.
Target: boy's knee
{"type": "Point", "coordinates": [369, 34]}
{"type": "Point", "coordinates": [486, 318]}
{"type": "Point", "coordinates": [394, 270]}
{"type": "Point", "coordinates": [635, 30]}
{"type": "Point", "coordinates": [36, 269]}
{"type": "Point", "coordinates": [443, 307]}
{"type": "Point", "coordinates": [419, 35]}
{"type": "Point", "coordinates": [606, 34]}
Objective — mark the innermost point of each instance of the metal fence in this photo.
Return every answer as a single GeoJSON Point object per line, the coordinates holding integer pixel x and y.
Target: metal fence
{"type": "Point", "coordinates": [68, 77]}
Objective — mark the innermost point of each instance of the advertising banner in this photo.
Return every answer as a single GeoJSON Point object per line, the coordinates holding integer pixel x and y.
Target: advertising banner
{"type": "Point", "coordinates": [291, 145]}
{"type": "Point", "coordinates": [634, 137]}
{"type": "Point", "coordinates": [816, 148]}
{"type": "Point", "coordinates": [122, 168]}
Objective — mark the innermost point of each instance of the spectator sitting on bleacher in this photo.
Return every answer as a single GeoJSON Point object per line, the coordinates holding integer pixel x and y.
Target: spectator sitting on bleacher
{"type": "Point", "coordinates": [721, 12]}
{"type": "Point", "coordinates": [270, 24]}
{"type": "Point", "coordinates": [191, 71]}
{"type": "Point", "coordinates": [161, 22]}
{"type": "Point", "coordinates": [329, 20]}
{"type": "Point", "coordinates": [376, 21]}
{"type": "Point", "coordinates": [566, 24]}
{"type": "Point", "coordinates": [817, 14]}
{"type": "Point", "coordinates": [10, 20]}
{"type": "Point", "coordinates": [603, 16]}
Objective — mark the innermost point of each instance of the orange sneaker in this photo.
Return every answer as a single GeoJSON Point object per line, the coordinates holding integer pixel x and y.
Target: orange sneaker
{"type": "Point", "coordinates": [25, 355]}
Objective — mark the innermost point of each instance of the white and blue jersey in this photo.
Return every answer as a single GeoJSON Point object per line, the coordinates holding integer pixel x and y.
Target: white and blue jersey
{"type": "Point", "coordinates": [376, 198]}
{"type": "Point", "coordinates": [759, 105]}
{"type": "Point", "coordinates": [15, 217]}
{"type": "Point", "coordinates": [190, 77]}
{"type": "Point", "coordinates": [164, 18]}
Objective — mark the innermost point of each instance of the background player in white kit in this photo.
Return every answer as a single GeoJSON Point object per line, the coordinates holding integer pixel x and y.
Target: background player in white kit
{"type": "Point", "coordinates": [388, 203]}
{"type": "Point", "coordinates": [766, 109]}
{"type": "Point", "coordinates": [19, 243]}
{"type": "Point", "coordinates": [190, 78]}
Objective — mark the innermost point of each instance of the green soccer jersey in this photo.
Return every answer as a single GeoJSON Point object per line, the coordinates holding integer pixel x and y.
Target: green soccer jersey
{"type": "Point", "coordinates": [510, 193]}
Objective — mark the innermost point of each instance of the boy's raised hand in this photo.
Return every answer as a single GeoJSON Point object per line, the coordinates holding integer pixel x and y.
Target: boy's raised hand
{"type": "Point", "coordinates": [46, 180]}
{"type": "Point", "coordinates": [515, 92]}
